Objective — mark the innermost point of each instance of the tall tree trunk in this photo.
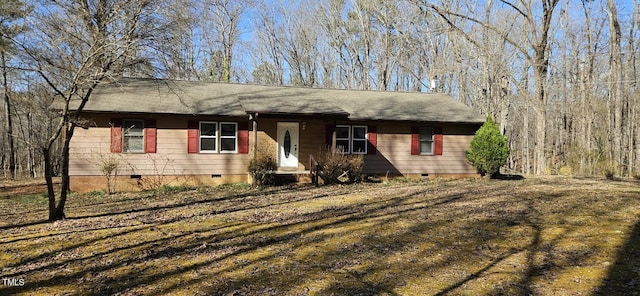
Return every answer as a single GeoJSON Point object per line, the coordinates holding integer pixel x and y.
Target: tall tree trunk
{"type": "Point", "coordinates": [539, 146]}
{"type": "Point", "coordinates": [228, 55]}
{"type": "Point", "coordinates": [505, 104]}
{"type": "Point", "coordinates": [486, 81]}
{"type": "Point", "coordinates": [540, 70]}
{"type": "Point", "coordinates": [64, 186]}
{"type": "Point", "coordinates": [632, 98]}
{"type": "Point", "coordinates": [540, 76]}
{"type": "Point", "coordinates": [48, 175]}
{"type": "Point", "coordinates": [615, 85]}
{"type": "Point", "coordinates": [584, 118]}
{"type": "Point", "coordinates": [8, 122]}
{"type": "Point", "coordinates": [526, 159]}
{"type": "Point", "coordinates": [32, 153]}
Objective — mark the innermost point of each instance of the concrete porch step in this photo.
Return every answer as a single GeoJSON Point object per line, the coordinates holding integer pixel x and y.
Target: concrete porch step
{"type": "Point", "coordinates": [292, 172]}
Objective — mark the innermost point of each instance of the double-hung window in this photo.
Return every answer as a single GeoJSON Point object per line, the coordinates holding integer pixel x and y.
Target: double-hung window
{"type": "Point", "coordinates": [218, 137]}
{"type": "Point", "coordinates": [133, 135]}
{"type": "Point", "coordinates": [426, 140]}
{"type": "Point", "coordinates": [351, 139]}
{"type": "Point", "coordinates": [208, 136]}
{"type": "Point", "coordinates": [359, 139]}
{"type": "Point", "coordinates": [343, 137]}
{"type": "Point", "coordinates": [228, 137]}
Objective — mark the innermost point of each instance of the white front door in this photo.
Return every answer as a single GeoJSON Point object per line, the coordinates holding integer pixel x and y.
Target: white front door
{"type": "Point", "coordinates": [288, 145]}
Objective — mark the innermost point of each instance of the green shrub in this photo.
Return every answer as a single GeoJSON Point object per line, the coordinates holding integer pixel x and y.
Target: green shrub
{"type": "Point", "coordinates": [262, 170]}
{"type": "Point", "coordinates": [96, 193]}
{"type": "Point", "coordinates": [40, 199]}
{"type": "Point", "coordinates": [489, 149]}
{"type": "Point", "coordinates": [168, 189]}
{"type": "Point", "coordinates": [336, 167]}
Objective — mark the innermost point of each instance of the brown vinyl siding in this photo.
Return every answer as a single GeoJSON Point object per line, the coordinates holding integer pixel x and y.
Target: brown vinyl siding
{"type": "Point", "coordinates": [171, 157]}
{"type": "Point", "coordinates": [394, 151]}
{"type": "Point", "coordinates": [267, 138]}
{"type": "Point", "coordinates": [311, 139]}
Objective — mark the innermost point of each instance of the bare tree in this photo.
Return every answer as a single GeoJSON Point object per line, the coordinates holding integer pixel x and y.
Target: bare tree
{"type": "Point", "coordinates": [633, 132]}
{"type": "Point", "coordinates": [535, 49]}
{"type": "Point", "coordinates": [221, 20]}
{"type": "Point", "coordinates": [289, 43]}
{"type": "Point", "coordinates": [74, 46]}
{"type": "Point", "coordinates": [10, 12]}
{"type": "Point", "coordinates": [179, 55]}
{"type": "Point", "coordinates": [268, 48]}
{"type": "Point", "coordinates": [300, 44]}
{"type": "Point", "coordinates": [615, 84]}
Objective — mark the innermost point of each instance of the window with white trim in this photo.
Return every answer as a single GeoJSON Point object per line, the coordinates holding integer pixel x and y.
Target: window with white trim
{"type": "Point", "coordinates": [426, 140]}
{"type": "Point", "coordinates": [351, 139]}
{"type": "Point", "coordinates": [359, 139]}
{"type": "Point", "coordinates": [228, 137]}
{"type": "Point", "coordinates": [208, 136]}
{"type": "Point", "coordinates": [218, 137]}
{"type": "Point", "coordinates": [133, 135]}
{"type": "Point", "coordinates": [343, 137]}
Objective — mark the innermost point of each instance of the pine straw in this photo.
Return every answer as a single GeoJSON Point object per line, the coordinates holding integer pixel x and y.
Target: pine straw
{"type": "Point", "coordinates": [542, 236]}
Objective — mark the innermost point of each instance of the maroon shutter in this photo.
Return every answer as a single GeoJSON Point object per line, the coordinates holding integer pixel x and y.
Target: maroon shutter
{"type": "Point", "coordinates": [415, 140]}
{"type": "Point", "coordinates": [329, 128]}
{"type": "Point", "coordinates": [437, 140]}
{"type": "Point", "coordinates": [116, 135]}
{"type": "Point", "coordinates": [150, 136]}
{"type": "Point", "coordinates": [192, 136]}
{"type": "Point", "coordinates": [243, 138]}
{"type": "Point", "coordinates": [372, 137]}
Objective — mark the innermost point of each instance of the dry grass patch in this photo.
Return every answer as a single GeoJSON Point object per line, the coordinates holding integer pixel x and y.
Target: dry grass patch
{"type": "Point", "coordinates": [542, 236]}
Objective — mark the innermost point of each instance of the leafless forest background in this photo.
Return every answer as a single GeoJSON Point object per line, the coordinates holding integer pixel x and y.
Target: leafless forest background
{"type": "Point", "coordinates": [559, 76]}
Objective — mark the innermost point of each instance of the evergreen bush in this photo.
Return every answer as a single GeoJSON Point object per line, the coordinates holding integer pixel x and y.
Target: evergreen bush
{"type": "Point", "coordinates": [489, 149]}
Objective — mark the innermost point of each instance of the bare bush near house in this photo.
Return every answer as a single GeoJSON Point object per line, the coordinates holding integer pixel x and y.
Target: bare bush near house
{"type": "Point", "coordinates": [163, 172]}
{"type": "Point", "coordinates": [262, 170]}
{"type": "Point", "coordinates": [337, 167]}
{"type": "Point", "coordinates": [109, 165]}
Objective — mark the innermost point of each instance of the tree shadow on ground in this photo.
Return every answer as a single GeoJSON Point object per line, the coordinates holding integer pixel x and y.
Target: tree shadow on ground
{"type": "Point", "coordinates": [422, 232]}
{"type": "Point", "coordinates": [157, 248]}
{"type": "Point", "coordinates": [26, 224]}
{"type": "Point", "coordinates": [146, 208]}
{"type": "Point", "coordinates": [507, 177]}
{"type": "Point", "coordinates": [624, 275]}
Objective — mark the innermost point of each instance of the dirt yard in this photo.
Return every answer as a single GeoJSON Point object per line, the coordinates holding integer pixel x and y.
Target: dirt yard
{"type": "Point", "coordinates": [11, 188]}
{"type": "Point", "coordinates": [540, 236]}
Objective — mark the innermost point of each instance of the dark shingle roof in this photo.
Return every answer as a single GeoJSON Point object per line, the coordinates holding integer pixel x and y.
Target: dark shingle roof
{"type": "Point", "coordinates": [208, 98]}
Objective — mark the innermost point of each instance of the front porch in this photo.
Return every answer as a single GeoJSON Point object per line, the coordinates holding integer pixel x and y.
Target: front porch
{"type": "Point", "coordinates": [291, 142]}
